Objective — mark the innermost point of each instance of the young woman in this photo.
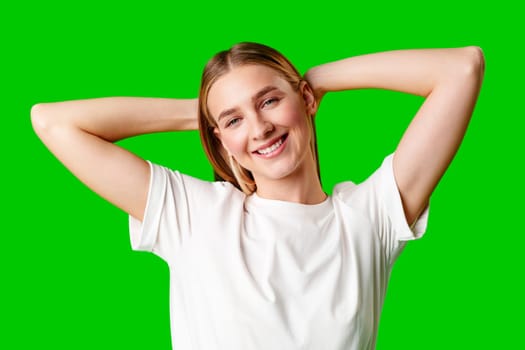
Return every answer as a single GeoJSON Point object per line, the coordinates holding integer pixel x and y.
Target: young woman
{"type": "Point", "coordinates": [265, 259]}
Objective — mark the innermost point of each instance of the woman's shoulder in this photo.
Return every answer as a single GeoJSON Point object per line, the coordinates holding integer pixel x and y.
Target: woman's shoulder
{"type": "Point", "coordinates": [344, 191]}
{"type": "Point", "coordinates": [349, 190]}
{"type": "Point", "coordinates": [189, 184]}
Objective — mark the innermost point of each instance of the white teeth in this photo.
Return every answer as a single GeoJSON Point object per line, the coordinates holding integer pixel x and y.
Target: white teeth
{"type": "Point", "coordinates": [271, 148]}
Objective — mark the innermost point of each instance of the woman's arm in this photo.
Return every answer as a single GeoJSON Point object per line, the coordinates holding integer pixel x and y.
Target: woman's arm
{"type": "Point", "coordinates": [81, 134]}
{"type": "Point", "coordinates": [449, 79]}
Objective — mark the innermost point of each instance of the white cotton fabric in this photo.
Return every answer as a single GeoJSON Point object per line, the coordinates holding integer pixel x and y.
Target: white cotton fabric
{"type": "Point", "coordinates": [250, 273]}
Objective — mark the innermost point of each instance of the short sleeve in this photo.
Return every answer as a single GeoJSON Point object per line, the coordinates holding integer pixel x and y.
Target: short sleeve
{"type": "Point", "coordinates": [379, 199]}
{"type": "Point", "coordinates": [389, 196]}
{"type": "Point", "coordinates": [165, 225]}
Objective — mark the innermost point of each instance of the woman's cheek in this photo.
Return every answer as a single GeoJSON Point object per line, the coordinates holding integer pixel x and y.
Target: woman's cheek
{"type": "Point", "coordinates": [293, 115]}
{"type": "Point", "coordinates": [236, 144]}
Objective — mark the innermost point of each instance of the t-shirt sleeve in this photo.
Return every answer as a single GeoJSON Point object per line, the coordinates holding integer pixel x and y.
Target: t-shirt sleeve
{"type": "Point", "coordinates": [378, 196]}
{"type": "Point", "coordinates": [388, 195]}
{"type": "Point", "coordinates": [166, 223]}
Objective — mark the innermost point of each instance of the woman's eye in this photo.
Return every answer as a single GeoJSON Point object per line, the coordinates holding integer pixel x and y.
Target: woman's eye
{"type": "Point", "coordinates": [232, 122]}
{"type": "Point", "coordinates": [269, 101]}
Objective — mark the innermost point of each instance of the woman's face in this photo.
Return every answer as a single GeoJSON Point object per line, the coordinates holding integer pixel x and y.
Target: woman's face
{"type": "Point", "coordinates": [262, 121]}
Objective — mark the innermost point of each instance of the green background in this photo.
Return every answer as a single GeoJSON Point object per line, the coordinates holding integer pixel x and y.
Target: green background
{"type": "Point", "coordinates": [69, 277]}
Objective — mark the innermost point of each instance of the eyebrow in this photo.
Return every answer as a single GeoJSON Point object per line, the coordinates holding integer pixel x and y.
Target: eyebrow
{"type": "Point", "coordinates": [255, 97]}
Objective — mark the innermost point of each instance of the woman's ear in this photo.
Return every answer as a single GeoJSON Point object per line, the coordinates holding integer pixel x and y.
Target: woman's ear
{"type": "Point", "coordinates": [308, 96]}
{"type": "Point", "coordinates": [217, 134]}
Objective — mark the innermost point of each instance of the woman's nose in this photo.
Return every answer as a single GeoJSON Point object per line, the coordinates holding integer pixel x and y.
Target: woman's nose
{"type": "Point", "coordinates": [261, 128]}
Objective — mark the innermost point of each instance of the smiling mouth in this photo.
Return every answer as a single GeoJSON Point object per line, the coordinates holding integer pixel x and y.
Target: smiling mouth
{"type": "Point", "coordinates": [272, 148]}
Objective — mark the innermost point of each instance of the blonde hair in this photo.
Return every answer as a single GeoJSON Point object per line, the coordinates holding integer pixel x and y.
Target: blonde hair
{"type": "Point", "coordinates": [225, 167]}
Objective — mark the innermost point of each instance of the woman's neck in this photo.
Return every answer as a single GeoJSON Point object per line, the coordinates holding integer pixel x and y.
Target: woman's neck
{"type": "Point", "coordinates": [303, 186]}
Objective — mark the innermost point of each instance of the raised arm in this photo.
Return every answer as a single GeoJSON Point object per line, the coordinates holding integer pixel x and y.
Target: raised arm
{"type": "Point", "coordinates": [449, 79]}
{"type": "Point", "coordinates": [81, 134]}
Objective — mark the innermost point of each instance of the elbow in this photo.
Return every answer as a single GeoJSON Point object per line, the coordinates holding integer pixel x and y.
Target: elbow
{"type": "Point", "coordinates": [41, 120]}
{"type": "Point", "coordinates": [474, 61]}
{"type": "Point", "coordinates": [38, 119]}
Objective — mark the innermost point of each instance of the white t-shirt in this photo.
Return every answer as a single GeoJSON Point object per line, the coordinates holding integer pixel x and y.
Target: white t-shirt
{"type": "Point", "coordinates": [252, 273]}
